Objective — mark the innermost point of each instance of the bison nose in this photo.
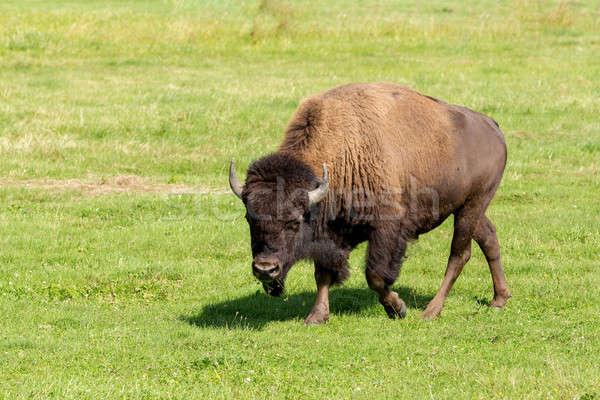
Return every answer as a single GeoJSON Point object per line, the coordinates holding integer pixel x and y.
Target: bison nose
{"type": "Point", "coordinates": [266, 269]}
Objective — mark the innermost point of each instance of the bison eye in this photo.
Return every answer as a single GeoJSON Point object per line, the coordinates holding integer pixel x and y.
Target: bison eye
{"type": "Point", "coordinates": [306, 218]}
{"type": "Point", "coordinates": [293, 224]}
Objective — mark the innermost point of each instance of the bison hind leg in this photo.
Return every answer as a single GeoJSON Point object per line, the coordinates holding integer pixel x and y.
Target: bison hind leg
{"type": "Point", "coordinates": [486, 238]}
{"type": "Point", "coordinates": [460, 252]}
{"type": "Point", "coordinates": [470, 223]}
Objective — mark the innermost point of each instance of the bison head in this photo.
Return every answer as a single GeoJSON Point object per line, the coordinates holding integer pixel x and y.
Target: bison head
{"type": "Point", "coordinates": [281, 196]}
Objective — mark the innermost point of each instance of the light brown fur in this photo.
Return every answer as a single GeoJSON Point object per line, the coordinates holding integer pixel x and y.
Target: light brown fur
{"type": "Point", "coordinates": [373, 137]}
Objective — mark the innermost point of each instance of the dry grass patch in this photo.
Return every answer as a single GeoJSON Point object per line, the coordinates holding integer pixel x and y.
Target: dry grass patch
{"type": "Point", "coordinates": [101, 185]}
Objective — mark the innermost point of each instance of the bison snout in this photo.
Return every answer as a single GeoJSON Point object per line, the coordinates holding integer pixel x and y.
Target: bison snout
{"type": "Point", "coordinates": [266, 270]}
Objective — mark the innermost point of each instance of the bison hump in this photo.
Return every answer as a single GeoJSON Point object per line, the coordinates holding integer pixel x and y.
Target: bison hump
{"type": "Point", "coordinates": [303, 125]}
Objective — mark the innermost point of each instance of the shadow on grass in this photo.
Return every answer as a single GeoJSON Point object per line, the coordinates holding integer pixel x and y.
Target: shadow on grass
{"type": "Point", "coordinates": [481, 302]}
{"type": "Point", "coordinates": [257, 310]}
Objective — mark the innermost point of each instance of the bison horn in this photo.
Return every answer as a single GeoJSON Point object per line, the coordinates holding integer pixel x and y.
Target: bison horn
{"type": "Point", "coordinates": [234, 182]}
{"type": "Point", "coordinates": [318, 194]}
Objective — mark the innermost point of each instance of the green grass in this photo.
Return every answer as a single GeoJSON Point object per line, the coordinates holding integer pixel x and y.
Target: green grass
{"type": "Point", "coordinates": [147, 294]}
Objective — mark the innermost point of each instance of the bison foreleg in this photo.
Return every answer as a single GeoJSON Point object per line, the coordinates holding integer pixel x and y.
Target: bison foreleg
{"type": "Point", "coordinates": [384, 256]}
{"type": "Point", "coordinates": [391, 302]}
{"type": "Point", "coordinates": [320, 311]}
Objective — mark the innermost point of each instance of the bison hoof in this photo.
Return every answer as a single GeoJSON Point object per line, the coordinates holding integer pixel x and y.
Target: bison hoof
{"type": "Point", "coordinates": [394, 306]}
{"type": "Point", "coordinates": [499, 302]}
{"type": "Point", "coordinates": [316, 319]}
{"type": "Point", "coordinates": [431, 312]}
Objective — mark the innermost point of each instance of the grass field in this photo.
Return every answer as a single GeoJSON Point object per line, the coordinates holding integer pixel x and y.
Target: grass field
{"type": "Point", "coordinates": [125, 261]}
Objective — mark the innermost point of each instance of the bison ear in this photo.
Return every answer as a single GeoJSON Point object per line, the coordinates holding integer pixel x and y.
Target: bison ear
{"type": "Point", "coordinates": [318, 194]}
{"type": "Point", "coordinates": [234, 182]}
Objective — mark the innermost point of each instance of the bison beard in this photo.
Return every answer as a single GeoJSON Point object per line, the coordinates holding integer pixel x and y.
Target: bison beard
{"type": "Point", "coordinates": [400, 163]}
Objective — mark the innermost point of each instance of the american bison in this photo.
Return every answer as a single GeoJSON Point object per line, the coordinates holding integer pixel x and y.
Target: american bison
{"type": "Point", "coordinates": [394, 164]}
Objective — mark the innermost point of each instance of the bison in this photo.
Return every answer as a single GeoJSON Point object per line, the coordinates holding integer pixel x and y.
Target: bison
{"type": "Point", "coordinates": [394, 164]}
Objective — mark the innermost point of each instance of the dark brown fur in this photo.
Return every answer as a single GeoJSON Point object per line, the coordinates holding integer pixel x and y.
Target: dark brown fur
{"type": "Point", "coordinates": [399, 164]}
